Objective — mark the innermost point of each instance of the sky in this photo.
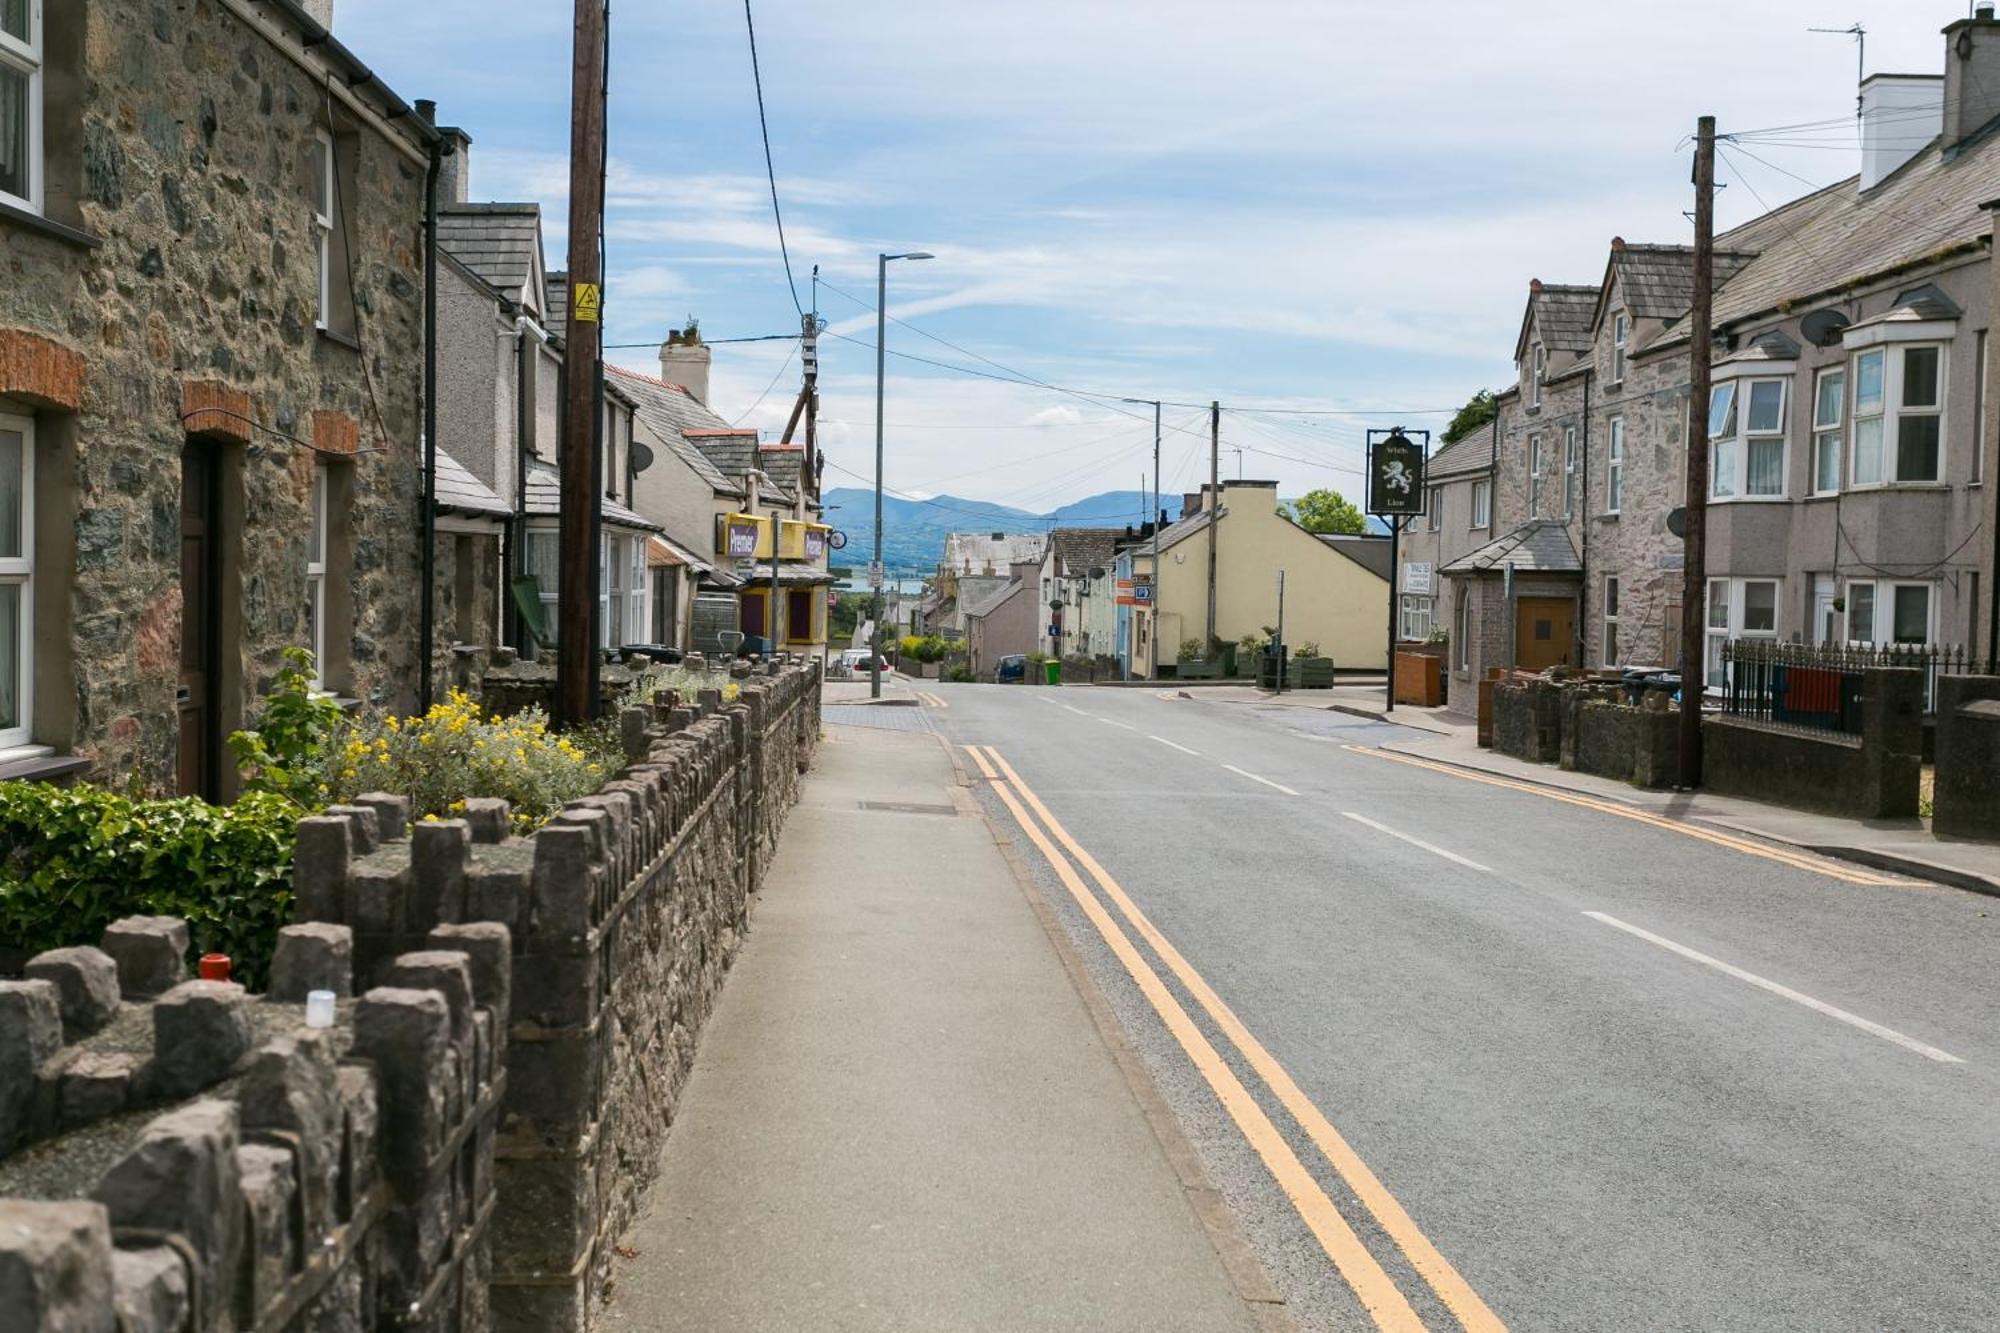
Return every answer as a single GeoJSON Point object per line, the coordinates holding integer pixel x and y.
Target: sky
{"type": "Point", "coordinates": [1329, 206]}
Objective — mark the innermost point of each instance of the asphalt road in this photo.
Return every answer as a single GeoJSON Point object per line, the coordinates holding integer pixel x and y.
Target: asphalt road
{"type": "Point", "coordinates": [1579, 1071]}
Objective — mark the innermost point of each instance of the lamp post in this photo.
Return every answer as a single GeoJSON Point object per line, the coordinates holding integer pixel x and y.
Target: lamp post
{"type": "Point", "coordinates": [881, 353]}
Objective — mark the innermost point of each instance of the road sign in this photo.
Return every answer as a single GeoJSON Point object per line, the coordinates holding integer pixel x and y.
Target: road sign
{"type": "Point", "coordinates": [584, 299]}
{"type": "Point", "coordinates": [875, 573]}
{"type": "Point", "coordinates": [1395, 474]}
{"type": "Point", "coordinates": [837, 540]}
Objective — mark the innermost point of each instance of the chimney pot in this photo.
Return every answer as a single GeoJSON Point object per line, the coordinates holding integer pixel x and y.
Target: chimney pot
{"type": "Point", "coordinates": [1971, 78]}
{"type": "Point", "coordinates": [684, 360]}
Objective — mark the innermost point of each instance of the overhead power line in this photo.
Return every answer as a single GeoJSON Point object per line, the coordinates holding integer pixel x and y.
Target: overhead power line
{"type": "Point", "coordinates": [770, 171]}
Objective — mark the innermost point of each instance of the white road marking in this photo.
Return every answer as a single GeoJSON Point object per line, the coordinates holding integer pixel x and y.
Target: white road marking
{"type": "Point", "coordinates": [1174, 745]}
{"type": "Point", "coordinates": [1078, 711]}
{"type": "Point", "coordinates": [1821, 1006]}
{"type": "Point", "coordinates": [1415, 842]}
{"type": "Point", "coordinates": [1112, 721]}
{"type": "Point", "coordinates": [1254, 778]}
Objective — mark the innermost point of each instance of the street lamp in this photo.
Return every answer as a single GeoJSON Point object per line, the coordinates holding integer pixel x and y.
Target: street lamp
{"type": "Point", "coordinates": [881, 343]}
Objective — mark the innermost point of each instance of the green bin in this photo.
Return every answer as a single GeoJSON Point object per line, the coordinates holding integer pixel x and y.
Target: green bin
{"type": "Point", "coordinates": [1053, 670]}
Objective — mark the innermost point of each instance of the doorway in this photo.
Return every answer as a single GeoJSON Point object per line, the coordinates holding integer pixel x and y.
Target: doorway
{"type": "Point", "coordinates": [1544, 632]}
{"type": "Point", "coordinates": [799, 614]}
{"type": "Point", "coordinates": [198, 761]}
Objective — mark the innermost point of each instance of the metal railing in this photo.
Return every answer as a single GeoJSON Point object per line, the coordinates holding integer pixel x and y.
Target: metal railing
{"type": "Point", "coordinates": [1818, 687]}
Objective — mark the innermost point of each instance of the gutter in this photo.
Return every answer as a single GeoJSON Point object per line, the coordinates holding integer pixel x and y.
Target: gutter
{"type": "Point", "coordinates": [353, 74]}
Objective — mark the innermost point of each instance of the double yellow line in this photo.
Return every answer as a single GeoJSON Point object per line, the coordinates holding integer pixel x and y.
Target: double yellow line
{"type": "Point", "coordinates": [1364, 1275]}
{"type": "Point", "coordinates": [1798, 860]}
{"type": "Point", "coordinates": [932, 700]}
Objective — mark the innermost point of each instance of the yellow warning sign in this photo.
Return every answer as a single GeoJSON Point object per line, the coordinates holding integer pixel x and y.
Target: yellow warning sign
{"type": "Point", "coordinates": [583, 301]}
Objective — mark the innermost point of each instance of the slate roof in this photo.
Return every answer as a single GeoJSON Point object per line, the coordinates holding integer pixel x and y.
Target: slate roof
{"type": "Point", "coordinates": [499, 242]}
{"type": "Point", "coordinates": [1562, 315]}
{"type": "Point", "coordinates": [782, 463]}
{"type": "Point", "coordinates": [733, 451]}
{"type": "Point", "coordinates": [1080, 550]}
{"type": "Point", "coordinates": [1371, 553]}
{"type": "Point", "coordinates": [666, 411]}
{"type": "Point", "coordinates": [1916, 306]}
{"type": "Point", "coordinates": [1658, 280]}
{"type": "Point", "coordinates": [1540, 546]}
{"type": "Point", "coordinates": [556, 318]}
{"type": "Point", "coordinates": [544, 498]}
{"type": "Point", "coordinates": [980, 594]}
{"type": "Point", "coordinates": [1175, 533]}
{"type": "Point", "coordinates": [1770, 345]}
{"type": "Point", "coordinates": [459, 492]}
{"type": "Point", "coordinates": [1474, 453]}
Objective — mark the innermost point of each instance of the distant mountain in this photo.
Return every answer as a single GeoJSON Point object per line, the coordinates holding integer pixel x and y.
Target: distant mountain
{"type": "Point", "coordinates": [913, 531]}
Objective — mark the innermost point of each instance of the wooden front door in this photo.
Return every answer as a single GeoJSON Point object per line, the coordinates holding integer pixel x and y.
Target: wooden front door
{"type": "Point", "coordinates": [1544, 633]}
{"type": "Point", "coordinates": [198, 749]}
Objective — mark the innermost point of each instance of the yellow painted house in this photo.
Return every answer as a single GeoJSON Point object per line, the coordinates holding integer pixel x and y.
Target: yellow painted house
{"type": "Point", "coordinates": [1336, 588]}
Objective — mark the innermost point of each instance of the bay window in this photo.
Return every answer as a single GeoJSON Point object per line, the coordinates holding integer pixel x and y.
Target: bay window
{"type": "Point", "coordinates": [1746, 431]}
{"type": "Point", "coordinates": [1829, 404]}
{"type": "Point", "coordinates": [17, 575]}
{"type": "Point", "coordinates": [1920, 414]}
{"type": "Point", "coordinates": [1898, 415]}
{"type": "Point", "coordinates": [1614, 465]}
{"type": "Point", "coordinates": [1738, 609]}
{"type": "Point", "coordinates": [21, 103]}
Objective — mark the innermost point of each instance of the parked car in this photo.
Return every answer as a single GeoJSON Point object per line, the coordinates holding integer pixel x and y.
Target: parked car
{"type": "Point", "coordinates": [1013, 668]}
{"type": "Point", "coordinates": [857, 660]}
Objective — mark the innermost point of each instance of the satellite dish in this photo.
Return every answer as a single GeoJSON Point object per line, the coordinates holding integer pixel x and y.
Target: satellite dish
{"type": "Point", "coordinates": [642, 457]}
{"type": "Point", "coordinates": [1677, 522]}
{"type": "Point", "coordinates": [1822, 328]}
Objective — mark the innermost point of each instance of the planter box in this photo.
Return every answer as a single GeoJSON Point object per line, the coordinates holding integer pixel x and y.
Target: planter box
{"type": "Point", "coordinates": [1210, 670]}
{"type": "Point", "coordinates": [930, 670]}
{"type": "Point", "coordinates": [1419, 678]}
{"type": "Point", "coordinates": [1310, 673]}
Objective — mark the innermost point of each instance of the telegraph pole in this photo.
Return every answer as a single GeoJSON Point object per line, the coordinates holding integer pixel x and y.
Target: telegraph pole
{"type": "Point", "coordinates": [1214, 512]}
{"type": "Point", "coordinates": [1694, 583]}
{"type": "Point", "coordinates": [1153, 597]}
{"type": "Point", "coordinates": [577, 569]}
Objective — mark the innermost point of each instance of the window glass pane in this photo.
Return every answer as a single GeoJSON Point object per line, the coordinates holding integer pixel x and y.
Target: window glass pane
{"type": "Point", "coordinates": [1868, 382]}
{"type": "Point", "coordinates": [1718, 605]}
{"type": "Point", "coordinates": [15, 175]}
{"type": "Point", "coordinates": [1913, 614]}
{"type": "Point", "coordinates": [312, 624]}
{"type": "Point", "coordinates": [1861, 612]}
{"type": "Point", "coordinates": [1767, 405]}
{"type": "Point", "coordinates": [1832, 390]}
{"type": "Point", "coordinates": [1611, 597]}
{"type": "Point", "coordinates": [1722, 468]}
{"type": "Point", "coordinates": [1867, 451]}
{"type": "Point", "coordinates": [12, 499]}
{"type": "Point", "coordinates": [322, 204]}
{"type": "Point", "coordinates": [1826, 461]}
{"type": "Point", "coordinates": [316, 542]}
{"type": "Point", "coordinates": [1767, 467]}
{"type": "Point", "coordinates": [1722, 411]}
{"type": "Point", "coordinates": [1920, 377]}
{"type": "Point", "coordinates": [10, 656]}
{"type": "Point", "coordinates": [1917, 448]}
{"type": "Point", "coordinates": [1760, 608]}
{"type": "Point", "coordinates": [14, 18]}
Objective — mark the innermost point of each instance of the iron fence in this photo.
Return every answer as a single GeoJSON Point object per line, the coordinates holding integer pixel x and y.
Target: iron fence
{"type": "Point", "coordinates": [1818, 687]}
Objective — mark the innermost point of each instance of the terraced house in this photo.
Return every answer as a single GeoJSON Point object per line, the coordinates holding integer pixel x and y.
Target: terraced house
{"type": "Point", "coordinates": [1850, 424]}
{"type": "Point", "coordinates": [210, 394]}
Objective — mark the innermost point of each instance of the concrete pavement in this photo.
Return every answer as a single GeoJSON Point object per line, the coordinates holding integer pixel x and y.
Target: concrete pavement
{"type": "Point", "coordinates": [904, 1114]}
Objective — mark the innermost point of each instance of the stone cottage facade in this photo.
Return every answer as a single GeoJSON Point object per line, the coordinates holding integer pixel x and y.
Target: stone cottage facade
{"type": "Point", "coordinates": [210, 394]}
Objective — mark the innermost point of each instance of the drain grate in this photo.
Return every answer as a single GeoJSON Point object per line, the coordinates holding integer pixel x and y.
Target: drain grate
{"type": "Point", "coordinates": [908, 808]}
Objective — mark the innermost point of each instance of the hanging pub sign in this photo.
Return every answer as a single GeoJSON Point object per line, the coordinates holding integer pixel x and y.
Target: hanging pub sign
{"type": "Point", "coordinates": [1395, 474]}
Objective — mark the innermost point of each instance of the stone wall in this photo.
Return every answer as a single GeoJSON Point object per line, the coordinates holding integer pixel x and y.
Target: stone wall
{"type": "Point", "coordinates": [1613, 739]}
{"type": "Point", "coordinates": [311, 1180]}
{"type": "Point", "coordinates": [1968, 758]}
{"type": "Point", "coordinates": [1527, 720]}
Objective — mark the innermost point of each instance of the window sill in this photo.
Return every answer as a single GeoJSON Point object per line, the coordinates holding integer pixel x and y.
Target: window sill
{"type": "Point", "coordinates": [13, 753]}
{"type": "Point", "coordinates": [33, 221]}
{"type": "Point", "coordinates": [1714, 500]}
{"type": "Point", "coordinates": [1899, 486]}
{"type": "Point", "coordinates": [351, 344]}
{"type": "Point", "coordinates": [1610, 515]}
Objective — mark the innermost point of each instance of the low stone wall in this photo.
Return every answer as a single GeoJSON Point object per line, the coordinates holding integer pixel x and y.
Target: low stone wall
{"type": "Point", "coordinates": [1612, 739]}
{"type": "Point", "coordinates": [301, 1179]}
{"type": "Point", "coordinates": [1874, 775]}
{"type": "Point", "coordinates": [1966, 798]}
{"type": "Point", "coordinates": [1527, 720]}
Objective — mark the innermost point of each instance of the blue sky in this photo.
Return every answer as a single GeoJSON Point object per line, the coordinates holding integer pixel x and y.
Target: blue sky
{"type": "Point", "coordinates": [1315, 204]}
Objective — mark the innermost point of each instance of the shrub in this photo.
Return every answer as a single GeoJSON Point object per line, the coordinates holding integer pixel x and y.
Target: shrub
{"type": "Point", "coordinates": [1307, 649]}
{"type": "Point", "coordinates": [76, 859]}
{"type": "Point", "coordinates": [958, 671]}
{"type": "Point", "coordinates": [286, 754]}
{"type": "Point", "coordinates": [1191, 651]}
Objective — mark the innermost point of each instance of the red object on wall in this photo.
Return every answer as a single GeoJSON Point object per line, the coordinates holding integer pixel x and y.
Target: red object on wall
{"type": "Point", "coordinates": [214, 967]}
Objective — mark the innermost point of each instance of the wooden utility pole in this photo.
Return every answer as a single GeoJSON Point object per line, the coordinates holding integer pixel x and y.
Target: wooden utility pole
{"type": "Point", "coordinates": [577, 570]}
{"type": "Point", "coordinates": [1694, 580]}
{"type": "Point", "coordinates": [1214, 513]}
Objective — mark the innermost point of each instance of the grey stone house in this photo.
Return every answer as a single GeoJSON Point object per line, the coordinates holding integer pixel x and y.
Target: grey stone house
{"type": "Point", "coordinates": [211, 341]}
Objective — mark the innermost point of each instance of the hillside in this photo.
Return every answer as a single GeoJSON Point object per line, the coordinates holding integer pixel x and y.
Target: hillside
{"type": "Point", "coordinates": [913, 531]}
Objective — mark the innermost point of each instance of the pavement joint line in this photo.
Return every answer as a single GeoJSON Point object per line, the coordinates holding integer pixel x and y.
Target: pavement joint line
{"type": "Point", "coordinates": [1245, 773]}
{"type": "Point", "coordinates": [1415, 842]}
{"type": "Point", "coordinates": [1764, 983]}
{"type": "Point", "coordinates": [1430, 1264]}
{"type": "Point", "coordinates": [1174, 745]}
{"type": "Point", "coordinates": [1796, 860]}
{"type": "Point", "coordinates": [1384, 1303]}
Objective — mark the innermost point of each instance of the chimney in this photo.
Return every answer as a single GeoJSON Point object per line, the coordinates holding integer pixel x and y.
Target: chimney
{"type": "Point", "coordinates": [1900, 115]}
{"type": "Point", "coordinates": [1971, 76]}
{"type": "Point", "coordinates": [455, 171]}
{"type": "Point", "coordinates": [1190, 503]}
{"type": "Point", "coordinates": [319, 11]}
{"type": "Point", "coordinates": [684, 361]}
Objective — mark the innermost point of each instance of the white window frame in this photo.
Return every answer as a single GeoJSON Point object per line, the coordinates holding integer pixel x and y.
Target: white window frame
{"type": "Point", "coordinates": [1978, 410]}
{"type": "Point", "coordinates": [1415, 614]}
{"type": "Point", "coordinates": [1882, 596]}
{"type": "Point", "coordinates": [1729, 448]}
{"type": "Point", "coordinates": [19, 571]}
{"type": "Point", "coordinates": [1611, 609]}
{"type": "Point", "coordinates": [1614, 465]}
{"type": "Point", "coordinates": [1829, 434]}
{"type": "Point", "coordinates": [1536, 461]}
{"type": "Point", "coordinates": [316, 535]}
{"type": "Point", "coordinates": [1434, 509]}
{"type": "Point", "coordinates": [533, 539]}
{"type": "Point", "coordinates": [324, 210]}
{"type": "Point", "coordinates": [1892, 412]}
{"type": "Point", "coordinates": [1538, 366]}
{"type": "Point", "coordinates": [1482, 504]}
{"type": "Point", "coordinates": [1731, 624]}
{"type": "Point", "coordinates": [27, 58]}
{"type": "Point", "coordinates": [622, 579]}
{"type": "Point", "coordinates": [1569, 468]}
{"type": "Point", "coordinates": [1620, 330]}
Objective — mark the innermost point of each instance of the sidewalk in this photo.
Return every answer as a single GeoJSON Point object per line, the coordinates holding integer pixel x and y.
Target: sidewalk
{"type": "Point", "coordinates": [1901, 846]}
{"type": "Point", "coordinates": [904, 1113]}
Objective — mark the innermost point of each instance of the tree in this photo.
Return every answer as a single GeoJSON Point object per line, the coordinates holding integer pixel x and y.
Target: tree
{"type": "Point", "coordinates": [1478, 410]}
{"type": "Point", "coordinates": [1325, 511]}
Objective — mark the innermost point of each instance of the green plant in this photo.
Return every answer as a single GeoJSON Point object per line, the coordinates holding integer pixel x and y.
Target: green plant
{"type": "Point", "coordinates": [76, 859]}
{"type": "Point", "coordinates": [1307, 649]}
{"type": "Point", "coordinates": [1478, 410]}
{"type": "Point", "coordinates": [958, 671]}
{"type": "Point", "coordinates": [286, 754]}
{"type": "Point", "coordinates": [1191, 651]}
{"type": "Point", "coordinates": [1325, 511]}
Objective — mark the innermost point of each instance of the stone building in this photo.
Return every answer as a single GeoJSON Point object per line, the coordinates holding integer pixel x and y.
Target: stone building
{"type": "Point", "coordinates": [211, 341]}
